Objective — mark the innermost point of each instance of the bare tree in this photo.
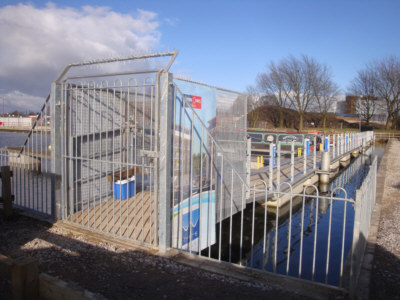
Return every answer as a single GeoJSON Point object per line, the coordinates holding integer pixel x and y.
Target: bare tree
{"type": "Point", "coordinates": [325, 92]}
{"type": "Point", "coordinates": [294, 82]}
{"type": "Point", "coordinates": [253, 103]}
{"type": "Point", "coordinates": [299, 76]}
{"type": "Point", "coordinates": [273, 86]}
{"type": "Point", "coordinates": [364, 85]}
{"type": "Point", "coordinates": [387, 85]}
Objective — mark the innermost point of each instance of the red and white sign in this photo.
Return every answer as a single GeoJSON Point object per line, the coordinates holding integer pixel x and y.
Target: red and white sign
{"type": "Point", "coordinates": [196, 102]}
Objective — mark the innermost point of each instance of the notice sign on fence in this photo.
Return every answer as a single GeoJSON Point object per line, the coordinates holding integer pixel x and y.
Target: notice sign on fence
{"type": "Point", "coordinates": [196, 102]}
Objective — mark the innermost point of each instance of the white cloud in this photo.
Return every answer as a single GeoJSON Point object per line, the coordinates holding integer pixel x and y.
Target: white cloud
{"type": "Point", "coordinates": [16, 100]}
{"type": "Point", "coordinates": [172, 21]}
{"type": "Point", "coordinates": [36, 43]}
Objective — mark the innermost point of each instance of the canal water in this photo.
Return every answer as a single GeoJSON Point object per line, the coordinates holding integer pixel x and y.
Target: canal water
{"type": "Point", "coordinates": [319, 216]}
{"type": "Point", "coordinates": [323, 218]}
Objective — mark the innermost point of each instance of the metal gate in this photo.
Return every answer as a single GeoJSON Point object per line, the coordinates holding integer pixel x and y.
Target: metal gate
{"type": "Point", "coordinates": [109, 140]}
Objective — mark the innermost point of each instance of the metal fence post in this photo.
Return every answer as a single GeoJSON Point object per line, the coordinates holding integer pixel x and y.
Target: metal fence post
{"type": "Point", "coordinates": [315, 153]}
{"type": "Point", "coordinates": [248, 166]}
{"type": "Point", "coordinates": [305, 157]}
{"type": "Point", "coordinates": [270, 162]}
{"type": "Point", "coordinates": [292, 162]}
{"type": "Point", "coordinates": [278, 166]}
{"type": "Point", "coordinates": [166, 108]}
{"type": "Point", "coordinates": [56, 148]}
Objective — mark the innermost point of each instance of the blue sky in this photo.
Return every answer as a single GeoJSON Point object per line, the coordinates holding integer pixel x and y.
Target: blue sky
{"type": "Point", "coordinates": [227, 43]}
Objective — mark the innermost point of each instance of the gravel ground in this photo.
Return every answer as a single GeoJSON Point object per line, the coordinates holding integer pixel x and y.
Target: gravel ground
{"type": "Point", "coordinates": [117, 273]}
{"type": "Point", "coordinates": [385, 277]}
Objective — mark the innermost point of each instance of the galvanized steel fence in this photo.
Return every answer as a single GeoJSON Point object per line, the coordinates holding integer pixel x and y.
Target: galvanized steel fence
{"type": "Point", "coordinates": [99, 162]}
{"type": "Point", "coordinates": [31, 167]}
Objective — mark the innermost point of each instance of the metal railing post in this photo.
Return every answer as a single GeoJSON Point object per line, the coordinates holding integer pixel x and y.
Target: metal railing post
{"type": "Point", "coordinates": [271, 162]}
{"type": "Point", "coordinates": [315, 153]}
{"type": "Point", "coordinates": [164, 184]}
{"type": "Point", "coordinates": [248, 166]}
{"type": "Point", "coordinates": [278, 165]}
{"type": "Point", "coordinates": [292, 162]}
{"type": "Point", "coordinates": [56, 150]}
{"type": "Point", "coordinates": [305, 157]}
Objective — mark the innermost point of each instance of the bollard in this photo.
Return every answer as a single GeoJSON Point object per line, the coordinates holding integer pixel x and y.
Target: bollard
{"type": "Point", "coordinates": [262, 161]}
{"type": "Point", "coordinates": [258, 162]}
{"type": "Point", "coordinates": [299, 151]}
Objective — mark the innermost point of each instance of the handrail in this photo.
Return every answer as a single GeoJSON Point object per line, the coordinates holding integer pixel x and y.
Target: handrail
{"type": "Point", "coordinates": [34, 125]}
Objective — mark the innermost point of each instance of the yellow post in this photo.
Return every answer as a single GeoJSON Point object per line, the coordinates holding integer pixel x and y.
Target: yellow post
{"type": "Point", "coordinates": [262, 161]}
{"type": "Point", "coordinates": [258, 162]}
{"type": "Point", "coordinates": [321, 147]}
{"type": "Point", "coordinates": [299, 151]}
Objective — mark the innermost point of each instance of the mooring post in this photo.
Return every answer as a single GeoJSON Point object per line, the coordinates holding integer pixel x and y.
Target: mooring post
{"type": "Point", "coordinates": [6, 197]}
{"type": "Point", "coordinates": [325, 168]}
{"type": "Point", "coordinates": [333, 146]}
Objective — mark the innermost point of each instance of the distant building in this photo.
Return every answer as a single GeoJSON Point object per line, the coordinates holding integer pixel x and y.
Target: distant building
{"type": "Point", "coordinates": [353, 105]}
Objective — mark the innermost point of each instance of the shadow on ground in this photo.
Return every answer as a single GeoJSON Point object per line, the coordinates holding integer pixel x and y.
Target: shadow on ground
{"type": "Point", "coordinates": [114, 272]}
{"type": "Point", "coordinates": [385, 275]}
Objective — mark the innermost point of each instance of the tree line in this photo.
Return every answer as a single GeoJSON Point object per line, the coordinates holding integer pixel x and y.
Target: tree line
{"type": "Point", "coordinates": [304, 84]}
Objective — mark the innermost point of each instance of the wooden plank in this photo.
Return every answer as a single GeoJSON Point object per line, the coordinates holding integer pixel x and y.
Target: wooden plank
{"type": "Point", "coordinates": [131, 218]}
{"type": "Point", "coordinates": [24, 278]}
{"type": "Point", "coordinates": [6, 191]}
{"type": "Point", "coordinates": [5, 267]}
{"type": "Point", "coordinates": [51, 288]}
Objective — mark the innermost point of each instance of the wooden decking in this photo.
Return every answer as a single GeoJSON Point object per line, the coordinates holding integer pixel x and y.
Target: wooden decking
{"type": "Point", "coordinates": [132, 218]}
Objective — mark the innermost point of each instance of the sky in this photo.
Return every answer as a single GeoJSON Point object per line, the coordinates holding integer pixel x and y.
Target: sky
{"type": "Point", "coordinates": [221, 43]}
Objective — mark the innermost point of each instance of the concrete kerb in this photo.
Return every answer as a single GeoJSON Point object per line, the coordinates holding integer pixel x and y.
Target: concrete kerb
{"type": "Point", "coordinates": [365, 272]}
{"type": "Point", "coordinates": [311, 290]}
